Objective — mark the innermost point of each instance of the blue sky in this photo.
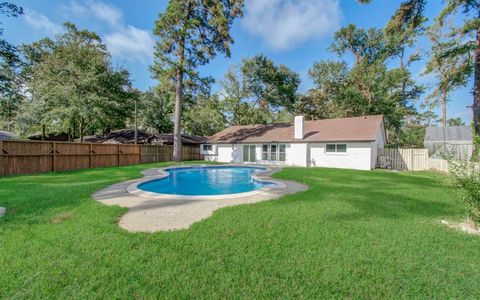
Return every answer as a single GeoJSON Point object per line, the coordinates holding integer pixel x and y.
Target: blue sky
{"type": "Point", "coordinates": [295, 33]}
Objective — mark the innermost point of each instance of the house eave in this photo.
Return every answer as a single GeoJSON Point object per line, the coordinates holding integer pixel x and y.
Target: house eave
{"type": "Point", "coordinates": [290, 142]}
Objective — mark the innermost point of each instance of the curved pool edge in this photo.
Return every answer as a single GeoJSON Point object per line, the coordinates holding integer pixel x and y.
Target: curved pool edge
{"type": "Point", "coordinates": [149, 215]}
{"type": "Point", "coordinates": [162, 173]}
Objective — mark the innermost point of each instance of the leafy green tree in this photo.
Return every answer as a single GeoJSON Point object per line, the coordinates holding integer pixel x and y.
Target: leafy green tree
{"type": "Point", "coordinates": [455, 122]}
{"type": "Point", "coordinates": [366, 87]}
{"type": "Point", "coordinates": [366, 46]}
{"type": "Point", "coordinates": [258, 91]}
{"type": "Point", "coordinates": [10, 79]}
{"type": "Point", "coordinates": [465, 41]}
{"type": "Point", "coordinates": [413, 136]}
{"type": "Point", "coordinates": [156, 110]}
{"type": "Point", "coordinates": [272, 87]}
{"type": "Point", "coordinates": [314, 105]}
{"type": "Point", "coordinates": [11, 96]}
{"type": "Point", "coordinates": [428, 118]}
{"type": "Point", "coordinates": [205, 117]}
{"type": "Point", "coordinates": [466, 36]}
{"type": "Point", "coordinates": [451, 72]}
{"type": "Point", "coordinates": [72, 83]}
{"type": "Point", "coordinates": [402, 33]}
{"type": "Point", "coordinates": [333, 93]}
{"type": "Point", "coordinates": [8, 52]}
{"type": "Point", "coordinates": [236, 104]}
{"type": "Point", "coordinates": [191, 33]}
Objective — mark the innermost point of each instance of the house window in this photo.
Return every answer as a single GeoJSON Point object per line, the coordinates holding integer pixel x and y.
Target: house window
{"type": "Point", "coordinates": [264, 152]}
{"type": "Point", "coordinates": [281, 155]}
{"type": "Point", "coordinates": [207, 148]}
{"type": "Point", "coordinates": [336, 148]}
{"type": "Point", "coordinates": [273, 152]}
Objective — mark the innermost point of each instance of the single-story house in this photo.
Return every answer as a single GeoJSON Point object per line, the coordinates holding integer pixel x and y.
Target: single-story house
{"type": "Point", "coordinates": [338, 143]}
{"type": "Point", "coordinates": [6, 135]}
{"type": "Point", "coordinates": [122, 136]}
{"type": "Point", "coordinates": [57, 137]}
{"type": "Point", "coordinates": [127, 136]}
{"type": "Point", "coordinates": [187, 139]}
{"type": "Point", "coordinates": [453, 142]}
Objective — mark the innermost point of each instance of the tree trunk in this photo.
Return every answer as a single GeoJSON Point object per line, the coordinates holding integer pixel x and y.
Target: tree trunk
{"type": "Point", "coordinates": [82, 131]}
{"type": "Point", "coordinates": [444, 108]}
{"type": "Point", "coordinates": [476, 84]}
{"type": "Point", "coordinates": [177, 130]}
{"type": "Point", "coordinates": [136, 124]}
{"type": "Point", "coordinates": [74, 130]}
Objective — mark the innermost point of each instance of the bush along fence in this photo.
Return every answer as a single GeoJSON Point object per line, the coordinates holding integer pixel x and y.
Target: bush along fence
{"type": "Point", "coordinates": [28, 157]}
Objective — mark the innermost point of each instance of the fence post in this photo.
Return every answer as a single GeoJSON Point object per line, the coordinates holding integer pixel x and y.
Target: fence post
{"type": "Point", "coordinates": [54, 157]}
{"type": "Point", "coordinates": [90, 153]}
{"type": "Point", "coordinates": [156, 153]}
{"type": "Point", "coordinates": [118, 155]}
{"type": "Point", "coordinates": [140, 149]}
{"type": "Point", "coordinates": [412, 160]}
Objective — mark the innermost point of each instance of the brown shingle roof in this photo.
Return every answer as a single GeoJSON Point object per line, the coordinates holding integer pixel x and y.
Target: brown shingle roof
{"type": "Point", "coordinates": [331, 130]}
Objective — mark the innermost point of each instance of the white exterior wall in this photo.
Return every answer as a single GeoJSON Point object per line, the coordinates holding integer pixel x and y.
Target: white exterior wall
{"type": "Point", "coordinates": [358, 156]}
{"type": "Point", "coordinates": [227, 153]}
{"type": "Point", "coordinates": [296, 154]}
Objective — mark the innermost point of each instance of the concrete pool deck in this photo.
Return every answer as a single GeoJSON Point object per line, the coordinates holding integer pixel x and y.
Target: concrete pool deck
{"type": "Point", "coordinates": [150, 214]}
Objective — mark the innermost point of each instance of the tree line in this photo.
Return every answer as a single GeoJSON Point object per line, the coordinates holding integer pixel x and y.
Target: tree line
{"type": "Point", "coordinates": [68, 83]}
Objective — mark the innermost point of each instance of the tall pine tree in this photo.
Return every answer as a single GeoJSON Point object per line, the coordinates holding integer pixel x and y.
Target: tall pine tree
{"type": "Point", "coordinates": [191, 33]}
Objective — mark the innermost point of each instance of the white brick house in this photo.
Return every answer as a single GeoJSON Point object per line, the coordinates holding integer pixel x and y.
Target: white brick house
{"type": "Point", "coordinates": [337, 143]}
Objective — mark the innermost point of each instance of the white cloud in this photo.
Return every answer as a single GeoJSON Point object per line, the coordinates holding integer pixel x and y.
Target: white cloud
{"type": "Point", "coordinates": [131, 43]}
{"type": "Point", "coordinates": [73, 9]}
{"type": "Point", "coordinates": [123, 41]}
{"type": "Point", "coordinates": [111, 14]}
{"type": "Point", "coordinates": [285, 24]}
{"type": "Point", "coordinates": [41, 22]}
{"type": "Point", "coordinates": [93, 8]}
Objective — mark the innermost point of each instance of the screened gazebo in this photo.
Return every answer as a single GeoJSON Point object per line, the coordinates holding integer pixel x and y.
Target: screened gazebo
{"type": "Point", "coordinates": [454, 142]}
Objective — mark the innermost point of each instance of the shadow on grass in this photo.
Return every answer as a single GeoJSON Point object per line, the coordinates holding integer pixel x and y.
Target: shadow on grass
{"type": "Point", "coordinates": [41, 195]}
{"type": "Point", "coordinates": [363, 195]}
{"type": "Point", "coordinates": [376, 194]}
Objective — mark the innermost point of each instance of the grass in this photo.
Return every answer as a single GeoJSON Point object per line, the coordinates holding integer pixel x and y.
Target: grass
{"type": "Point", "coordinates": [353, 234]}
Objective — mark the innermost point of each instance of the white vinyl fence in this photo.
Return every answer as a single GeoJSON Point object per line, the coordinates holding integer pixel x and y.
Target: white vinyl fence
{"type": "Point", "coordinates": [438, 164]}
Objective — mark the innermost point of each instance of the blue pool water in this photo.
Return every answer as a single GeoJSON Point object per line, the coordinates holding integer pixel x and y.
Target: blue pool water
{"type": "Point", "coordinates": [208, 181]}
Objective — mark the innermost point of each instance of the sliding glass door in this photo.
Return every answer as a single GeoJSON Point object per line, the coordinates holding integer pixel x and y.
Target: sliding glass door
{"type": "Point", "coordinates": [249, 153]}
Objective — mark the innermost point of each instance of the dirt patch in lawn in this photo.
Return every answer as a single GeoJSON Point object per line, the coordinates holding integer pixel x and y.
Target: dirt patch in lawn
{"type": "Point", "coordinates": [466, 226]}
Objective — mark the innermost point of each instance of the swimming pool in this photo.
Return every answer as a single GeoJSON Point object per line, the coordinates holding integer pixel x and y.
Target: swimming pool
{"type": "Point", "coordinates": [206, 181]}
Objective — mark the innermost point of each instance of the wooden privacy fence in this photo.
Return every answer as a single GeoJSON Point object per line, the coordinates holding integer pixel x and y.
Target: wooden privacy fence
{"type": "Point", "coordinates": [27, 157]}
{"type": "Point", "coordinates": [403, 159]}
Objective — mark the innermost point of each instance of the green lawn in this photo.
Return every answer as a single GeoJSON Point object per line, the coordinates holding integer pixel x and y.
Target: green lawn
{"type": "Point", "coordinates": [353, 234]}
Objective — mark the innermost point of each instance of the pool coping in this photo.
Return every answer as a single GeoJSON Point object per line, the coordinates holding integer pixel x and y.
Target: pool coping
{"type": "Point", "coordinates": [264, 176]}
{"type": "Point", "coordinates": [147, 214]}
